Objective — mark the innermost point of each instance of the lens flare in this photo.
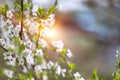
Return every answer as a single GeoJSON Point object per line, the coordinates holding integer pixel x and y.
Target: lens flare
{"type": "Point", "coordinates": [50, 33]}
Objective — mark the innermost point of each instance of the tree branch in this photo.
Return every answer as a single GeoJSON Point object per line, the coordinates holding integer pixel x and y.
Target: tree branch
{"type": "Point", "coordinates": [21, 31]}
{"type": "Point", "coordinates": [3, 48]}
{"type": "Point", "coordinates": [56, 2]}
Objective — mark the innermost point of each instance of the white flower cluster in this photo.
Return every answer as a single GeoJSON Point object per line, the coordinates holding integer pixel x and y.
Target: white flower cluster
{"type": "Point", "coordinates": [10, 59]}
{"type": "Point", "coordinates": [29, 53]}
{"type": "Point", "coordinates": [49, 22]}
{"type": "Point", "coordinates": [9, 73]}
{"type": "Point", "coordinates": [60, 46]}
{"type": "Point", "coordinates": [78, 76]}
{"type": "Point", "coordinates": [31, 23]}
{"type": "Point", "coordinates": [9, 31]}
{"type": "Point", "coordinates": [9, 14]}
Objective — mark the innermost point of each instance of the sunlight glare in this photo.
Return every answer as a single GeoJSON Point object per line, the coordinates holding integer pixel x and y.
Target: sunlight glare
{"type": "Point", "coordinates": [50, 33]}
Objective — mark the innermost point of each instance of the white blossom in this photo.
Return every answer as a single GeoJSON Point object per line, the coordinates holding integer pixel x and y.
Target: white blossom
{"type": "Point", "coordinates": [49, 22]}
{"type": "Point", "coordinates": [77, 76]}
{"type": "Point", "coordinates": [21, 61]}
{"type": "Point", "coordinates": [58, 44]}
{"type": "Point", "coordinates": [7, 55]}
{"type": "Point", "coordinates": [45, 77]}
{"type": "Point", "coordinates": [58, 70]}
{"type": "Point", "coordinates": [29, 51]}
{"type": "Point", "coordinates": [9, 22]}
{"type": "Point", "coordinates": [33, 27]}
{"type": "Point", "coordinates": [3, 43]}
{"type": "Point", "coordinates": [8, 73]}
{"type": "Point", "coordinates": [30, 44]}
{"type": "Point", "coordinates": [82, 78]}
{"type": "Point", "coordinates": [39, 52]}
{"type": "Point", "coordinates": [26, 37]}
{"type": "Point", "coordinates": [33, 78]}
{"type": "Point", "coordinates": [2, 22]}
{"type": "Point", "coordinates": [27, 59]}
{"type": "Point", "coordinates": [24, 69]}
{"type": "Point", "coordinates": [43, 65]}
{"type": "Point", "coordinates": [11, 61]}
{"type": "Point", "coordinates": [63, 72]}
{"type": "Point", "coordinates": [117, 53]}
{"type": "Point", "coordinates": [17, 28]}
{"type": "Point", "coordinates": [50, 64]}
{"type": "Point", "coordinates": [11, 26]}
{"type": "Point", "coordinates": [38, 68]}
{"type": "Point", "coordinates": [9, 14]}
{"type": "Point", "coordinates": [43, 43]}
{"type": "Point", "coordinates": [69, 53]}
{"type": "Point", "coordinates": [30, 59]}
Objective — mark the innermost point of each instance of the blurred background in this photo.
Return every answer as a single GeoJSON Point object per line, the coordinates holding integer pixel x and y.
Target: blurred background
{"type": "Point", "coordinates": [90, 28]}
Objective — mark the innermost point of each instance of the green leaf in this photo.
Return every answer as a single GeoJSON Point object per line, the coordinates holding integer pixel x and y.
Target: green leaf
{"type": "Point", "coordinates": [26, 6]}
{"type": "Point", "coordinates": [6, 7]}
{"type": "Point", "coordinates": [34, 51]}
{"type": "Point", "coordinates": [63, 52]}
{"type": "Point", "coordinates": [39, 59]}
{"type": "Point", "coordinates": [10, 49]}
{"type": "Point", "coordinates": [26, 76]}
{"type": "Point", "coordinates": [60, 59]}
{"type": "Point", "coordinates": [16, 40]}
{"type": "Point", "coordinates": [51, 10]}
{"type": "Point", "coordinates": [3, 9]}
{"type": "Point", "coordinates": [29, 76]}
{"type": "Point", "coordinates": [72, 66]}
{"type": "Point", "coordinates": [21, 48]}
{"type": "Point", "coordinates": [0, 9]}
{"type": "Point", "coordinates": [21, 77]}
{"type": "Point", "coordinates": [39, 47]}
{"type": "Point", "coordinates": [116, 76]}
{"type": "Point", "coordinates": [36, 38]}
{"type": "Point", "coordinates": [18, 7]}
{"type": "Point", "coordinates": [95, 76]}
{"type": "Point", "coordinates": [41, 13]}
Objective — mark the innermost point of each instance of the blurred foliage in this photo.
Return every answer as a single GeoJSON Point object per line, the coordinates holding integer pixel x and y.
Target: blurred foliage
{"type": "Point", "coordinates": [3, 9]}
{"type": "Point", "coordinates": [43, 13]}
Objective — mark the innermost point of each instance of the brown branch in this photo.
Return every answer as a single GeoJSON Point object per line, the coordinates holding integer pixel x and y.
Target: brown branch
{"type": "Point", "coordinates": [38, 36]}
{"type": "Point", "coordinates": [21, 31]}
{"type": "Point", "coordinates": [3, 48]}
{"type": "Point", "coordinates": [56, 3]}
